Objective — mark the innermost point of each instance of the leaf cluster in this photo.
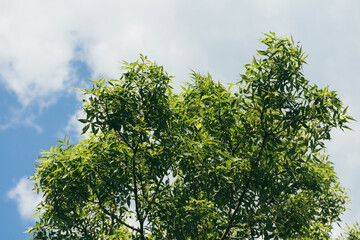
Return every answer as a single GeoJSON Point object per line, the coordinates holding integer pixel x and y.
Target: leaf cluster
{"type": "Point", "coordinates": [207, 163]}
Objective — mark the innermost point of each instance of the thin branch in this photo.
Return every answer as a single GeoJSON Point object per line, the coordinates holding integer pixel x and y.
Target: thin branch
{"type": "Point", "coordinates": [137, 203]}
{"type": "Point", "coordinates": [153, 196]}
{"type": "Point", "coordinates": [277, 126]}
{"type": "Point", "coordinates": [113, 216]}
{"type": "Point", "coordinates": [246, 187]}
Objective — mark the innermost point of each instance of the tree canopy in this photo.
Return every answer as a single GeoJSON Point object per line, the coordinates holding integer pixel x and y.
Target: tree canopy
{"type": "Point", "coordinates": [210, 162]}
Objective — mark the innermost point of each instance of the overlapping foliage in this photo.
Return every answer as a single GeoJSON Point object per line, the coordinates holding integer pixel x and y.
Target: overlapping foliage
{"type": "Point", "coordinates": [210, 162]}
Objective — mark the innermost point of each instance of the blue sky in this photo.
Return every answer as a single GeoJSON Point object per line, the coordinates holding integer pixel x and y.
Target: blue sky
{"type": "Point", "coordinates": [47, 48]}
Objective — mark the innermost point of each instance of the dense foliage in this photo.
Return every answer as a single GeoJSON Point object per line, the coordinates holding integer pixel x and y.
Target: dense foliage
{"type": "Point", "coordinates": [210, 162]}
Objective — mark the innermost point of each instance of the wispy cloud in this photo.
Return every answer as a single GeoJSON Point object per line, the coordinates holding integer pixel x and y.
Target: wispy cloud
{"type": "Point", "coordinates": [21, 116]}
{"type": "Point", "coordinates": [25, 197]}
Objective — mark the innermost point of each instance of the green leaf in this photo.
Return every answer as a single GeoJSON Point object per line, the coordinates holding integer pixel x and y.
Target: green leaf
{"type": "Point", "coordinates": [83, 120]}
{"type": "Point", "coordinates": [85, 129]}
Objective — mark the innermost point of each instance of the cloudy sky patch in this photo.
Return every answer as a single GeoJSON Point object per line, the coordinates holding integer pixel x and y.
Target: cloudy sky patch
{"type": "Point", "coordinates": [25, 197]}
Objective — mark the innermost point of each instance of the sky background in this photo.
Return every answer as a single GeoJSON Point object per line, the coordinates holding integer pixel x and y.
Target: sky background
{"type": "Point", "coordinates": [49, 47]}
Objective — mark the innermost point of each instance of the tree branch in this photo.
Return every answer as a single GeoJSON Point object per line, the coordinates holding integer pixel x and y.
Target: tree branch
{"type": "Point", "coordinates": [153, 196]}
{"type": "Point", "coordinates": [245, 189]}
{"type": "Point", "coordinates": [112, 215]}
{"type": "Point", "coordinates": [137, 203]}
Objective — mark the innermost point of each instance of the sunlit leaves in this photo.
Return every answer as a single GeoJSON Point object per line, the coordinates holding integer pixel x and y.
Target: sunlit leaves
{"type": "Point", "coordinates": [351, 233]}
{"type": "Point", "coordinates": [210, 162]}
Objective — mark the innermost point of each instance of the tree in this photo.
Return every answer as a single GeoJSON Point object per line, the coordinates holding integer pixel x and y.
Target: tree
{"type": "Point", "coordinates": [207, 163]}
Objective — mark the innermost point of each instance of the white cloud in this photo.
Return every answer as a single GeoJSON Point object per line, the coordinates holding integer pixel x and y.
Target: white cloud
{"type": "Point", "coordinates": [26, 199]}
{"type": "Point", "coordinates": [40, 38]}
{"type": "Point", "coordinates": [34, 49]}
